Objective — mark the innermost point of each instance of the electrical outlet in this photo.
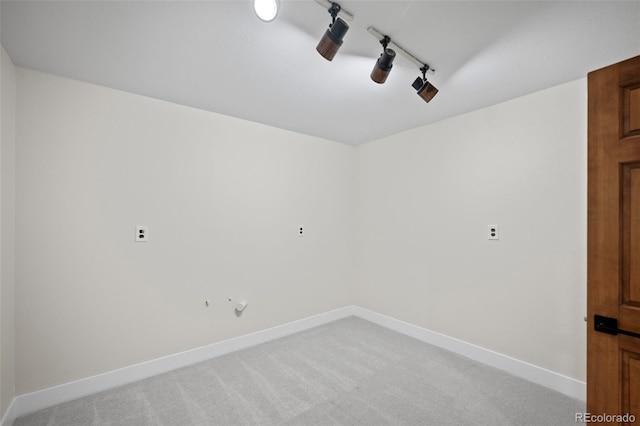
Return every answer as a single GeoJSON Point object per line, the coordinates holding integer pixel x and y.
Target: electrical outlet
{"type": "Point", "coordinates": [300, 231]}
{"type": "Point", "coordinates": [142, 234]}
{"type": "Point", "coordinates": [493, 232]}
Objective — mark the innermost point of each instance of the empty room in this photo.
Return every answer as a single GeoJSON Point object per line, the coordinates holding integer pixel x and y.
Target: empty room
{"type": "Point", "coordinates": [299, 212]}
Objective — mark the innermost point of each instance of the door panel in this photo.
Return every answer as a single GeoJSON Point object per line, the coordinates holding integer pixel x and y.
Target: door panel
{"type": "Point", "coordinates": [631, 110]}
{"type": "Point", "coordinates": [613, 361]}
{"type": "Point", "coordinates": [630, 234]}
{"type": "Point", "coordinates": [631, 378]}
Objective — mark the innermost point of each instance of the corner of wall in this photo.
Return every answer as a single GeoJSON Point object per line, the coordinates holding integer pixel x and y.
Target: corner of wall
{"type": "Point", "coordinates": [7, 232]}
{"type": "Point", "coordinates": [426, 197]}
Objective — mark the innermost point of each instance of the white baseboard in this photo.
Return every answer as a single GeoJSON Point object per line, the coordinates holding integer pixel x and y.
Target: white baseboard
{"type": "Point", "coordinates": [558, 382]}
{"type": "Point", "coordinates": [9, 415]}
{"type": "Point", "coordinates": [41, 399]}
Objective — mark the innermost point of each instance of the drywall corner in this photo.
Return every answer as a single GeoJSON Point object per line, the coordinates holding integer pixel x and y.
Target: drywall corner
{"type": "Point", "coordinates": [7, 231]}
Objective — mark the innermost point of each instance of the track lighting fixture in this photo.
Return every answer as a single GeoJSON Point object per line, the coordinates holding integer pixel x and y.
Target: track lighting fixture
{"type": "Point", "coordinates": [383, 65]}
{"type": "Point", "coordinates": [332, 38]}
{"type": "Point", "coordinates": [425, 89]}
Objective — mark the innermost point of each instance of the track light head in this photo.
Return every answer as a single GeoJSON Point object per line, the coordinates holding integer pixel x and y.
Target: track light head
{"type": "Point", "coordinates": [425, 89]}
{"type": "Point", "coordinates": [383, 66]}
{"type": "Point", "coordinates": [332, 38]}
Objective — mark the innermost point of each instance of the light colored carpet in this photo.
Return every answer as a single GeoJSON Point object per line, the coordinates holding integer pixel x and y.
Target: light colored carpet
{"type": "Point", "coordinates": [349, 372]}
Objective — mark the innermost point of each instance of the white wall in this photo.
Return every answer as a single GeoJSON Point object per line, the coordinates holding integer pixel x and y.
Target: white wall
{"type": "Point", "coordinates": [7, 230]}
{"type": "Point", "coordinates": [222, 197]}
{"type": "Point", "coordinates": [425, 198]}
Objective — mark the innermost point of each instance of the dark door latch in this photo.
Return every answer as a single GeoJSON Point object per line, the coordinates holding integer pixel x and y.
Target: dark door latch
{"type": "Point", "coordinates": [610, 326]}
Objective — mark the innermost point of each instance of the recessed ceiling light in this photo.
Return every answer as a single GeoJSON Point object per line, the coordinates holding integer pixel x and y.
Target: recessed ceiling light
{"type": "Point", "coordinates": [266, 9]}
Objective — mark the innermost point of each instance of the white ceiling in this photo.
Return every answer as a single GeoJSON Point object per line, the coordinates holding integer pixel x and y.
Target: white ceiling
{"type": "Point", "coordinates": [218, 56]}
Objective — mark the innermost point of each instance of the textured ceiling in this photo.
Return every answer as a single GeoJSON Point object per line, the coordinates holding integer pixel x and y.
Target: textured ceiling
{"type": "Point", "coordinates": [218, 56]}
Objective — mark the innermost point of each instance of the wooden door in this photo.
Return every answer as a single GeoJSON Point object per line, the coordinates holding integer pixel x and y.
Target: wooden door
{"type": "Point", "coordinates": [613, 290]}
